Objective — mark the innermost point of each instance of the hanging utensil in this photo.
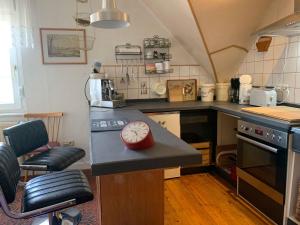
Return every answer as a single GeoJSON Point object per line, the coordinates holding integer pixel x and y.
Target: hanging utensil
{"type": "Point", "coordinates": [137, 69]}
{"type": "Point", "coordinates": [132, 71]}
{"type": "Point", "coordinates": [127, 73]}
{"type": "Point", "coordinates": [122, 81]}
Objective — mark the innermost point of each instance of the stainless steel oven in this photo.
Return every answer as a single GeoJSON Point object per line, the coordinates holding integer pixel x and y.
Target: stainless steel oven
{"type": "Point", "coordinates": [261, 168]}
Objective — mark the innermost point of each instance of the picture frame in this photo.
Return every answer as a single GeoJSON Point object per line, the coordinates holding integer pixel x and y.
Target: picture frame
{"type": "Point", "coordinates": [63, 46]}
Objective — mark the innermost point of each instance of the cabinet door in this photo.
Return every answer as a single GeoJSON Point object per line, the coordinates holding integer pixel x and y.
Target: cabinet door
{"type": "Point", "coordinates": [170, 121]}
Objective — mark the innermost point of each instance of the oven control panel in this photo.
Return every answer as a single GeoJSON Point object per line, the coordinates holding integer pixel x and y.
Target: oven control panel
{"type": "Point", "coordinates": [266, 134]}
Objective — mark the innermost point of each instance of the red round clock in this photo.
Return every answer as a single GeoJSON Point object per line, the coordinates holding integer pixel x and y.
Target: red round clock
{"type": "Point", "coordinates": [137, 135]}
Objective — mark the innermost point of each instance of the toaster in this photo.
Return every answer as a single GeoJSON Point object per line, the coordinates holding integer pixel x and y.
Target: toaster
{"type": "Point", "coordinates": [263, 97]}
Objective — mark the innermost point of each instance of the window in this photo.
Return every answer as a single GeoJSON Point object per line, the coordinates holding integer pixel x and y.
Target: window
{"type": "Point", "coordinates": [10, 99]}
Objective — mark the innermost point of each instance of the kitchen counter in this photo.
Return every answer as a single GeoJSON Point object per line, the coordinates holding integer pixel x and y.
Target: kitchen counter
{"type": "Point", "coordinates": [128, 180]}
{"type": "Point", "coordinates": [109, 156]}
{"type": "Point", "coordinates": [225, 107]}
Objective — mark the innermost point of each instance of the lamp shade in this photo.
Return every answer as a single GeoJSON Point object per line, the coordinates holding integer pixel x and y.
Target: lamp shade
{"type": "Point", "coordinates": [109, 16]}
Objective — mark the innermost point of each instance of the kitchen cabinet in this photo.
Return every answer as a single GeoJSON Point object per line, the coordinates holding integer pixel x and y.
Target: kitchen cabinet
{"type": "Point", "coordinates": [170, 121]}
{"type": "Point", "coordinates": [226, 145]}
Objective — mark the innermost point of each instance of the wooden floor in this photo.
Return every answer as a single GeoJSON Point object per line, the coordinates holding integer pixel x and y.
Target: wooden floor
{"type": "Point", "coordinates": [204, 199]}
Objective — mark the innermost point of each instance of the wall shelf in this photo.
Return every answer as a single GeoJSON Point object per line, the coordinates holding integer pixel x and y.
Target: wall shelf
{"type": "Point", "coordinates": [159, 71]}
{"type": "Point", "coordinates": [157, 51]}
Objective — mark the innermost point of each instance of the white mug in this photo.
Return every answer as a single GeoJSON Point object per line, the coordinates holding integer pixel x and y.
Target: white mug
{"type": "Point", "coordinates": [149, 54]}
{"type": "Point", "coordinates": [159, 66]}
{"type": "Point", "coordinates": [166, 65]}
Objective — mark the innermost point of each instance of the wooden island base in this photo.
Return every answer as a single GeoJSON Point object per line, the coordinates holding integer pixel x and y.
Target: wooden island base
{"type": "Point", "coordinates": [135, 198]}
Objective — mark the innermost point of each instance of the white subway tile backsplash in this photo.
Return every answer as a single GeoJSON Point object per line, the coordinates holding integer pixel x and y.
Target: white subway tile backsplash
{"type": "Point", "coordinates": [269, 55]}
{"type": "Point", "coordinates": [297, 85]}
{"type": "Point", "coordinates": [121, 83]}
{"type": "Point", "coordinates": [251, 54]}
{"type": "Point", "coordinates": [259, 56]}
{"type": "Point", "coordinates": [289, 79]}
{"type": "Point", "coordinates": [176, 71]}
{"type": "Point", "coordinates": [184, 77]}
{"type": "Point", "coordinates": [290, 65]}
{"type": "Point", "coordinates": [277, 79]}
{"type": "Point", "coordinates": [268, 66]}
{"type": "Point", "coordinates": [250, 67]}
{"type": "Point", "coordinates": [133, 83]}
{"type": "Point", "coordinates": [184, 71]}
{"type": "Point", "coordinates": [198, 78]}
{"type": "Point", "coordinates": [293, 39]}
{"type": "Point", "coordinates": [267, 80]}
{"type": "Point", "coordinates": [133, 94]}
{"type": "Point", "coordinates": [279, 51]}
{"type": "Point", "coordinates": [195, 70]}
{"type": "Point", "coordinates": [124, 92]}
{"type": "Point", "coordinates": [297, 96]}
{"type": "Point", "coordinates": [280, 40]}
{"type": "Point", "coordinates": [278, 65]}
{"type": "Point", "coordinates": [298, 64]}
{"type": "Point", "coordinates": [291, 96]}
{"type": "Point", "coordinates": [292, 50]}
{"type": "Point", "coordinates": [243, 68]}
{"type": "Point", "coordinates": [257, 79]}
{"type": "Point", "coordinates": [110, 71]}
{"type": "Point", "coordinates": [140, 85]}
{"type": "Point", "coordinates": [258, 67]}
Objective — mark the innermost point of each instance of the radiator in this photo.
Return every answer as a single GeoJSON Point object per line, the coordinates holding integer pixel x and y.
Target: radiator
{"type": "Point", "coordinates": [4, 125]}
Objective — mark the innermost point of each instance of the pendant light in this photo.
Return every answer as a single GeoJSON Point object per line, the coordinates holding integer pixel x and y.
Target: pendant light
{"type": "Point", "coordinates": [109, 16]}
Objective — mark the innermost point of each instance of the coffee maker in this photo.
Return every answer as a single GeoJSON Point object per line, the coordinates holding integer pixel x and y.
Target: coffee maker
{"type": "Point", "coordinates": [103, 93]}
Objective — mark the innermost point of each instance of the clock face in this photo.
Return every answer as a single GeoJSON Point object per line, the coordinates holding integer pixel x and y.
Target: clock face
{"type": "Point", "coordinates": [135, 132]}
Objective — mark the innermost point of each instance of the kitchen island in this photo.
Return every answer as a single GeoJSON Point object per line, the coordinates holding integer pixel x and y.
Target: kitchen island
{"type": "Point", "coordinates": [130, 188]}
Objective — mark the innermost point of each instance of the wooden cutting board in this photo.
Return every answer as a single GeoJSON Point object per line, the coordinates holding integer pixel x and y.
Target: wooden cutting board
{"type": "Point", "coordinates": [289, 114]}
{"type": "Point", "coordinates": [182, 90]}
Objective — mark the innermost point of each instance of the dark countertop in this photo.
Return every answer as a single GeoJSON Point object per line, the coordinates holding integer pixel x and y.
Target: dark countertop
{"type": "Point", "coordinates": [108, 154]}
{"type": "Point", "coordinates": [225, 107]}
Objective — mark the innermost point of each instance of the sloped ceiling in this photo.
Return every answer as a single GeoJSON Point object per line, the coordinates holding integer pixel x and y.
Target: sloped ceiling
{"type": "Point", "coordinates": [176, 15]}
{"type": "Point", "coordinates": [216, 32]}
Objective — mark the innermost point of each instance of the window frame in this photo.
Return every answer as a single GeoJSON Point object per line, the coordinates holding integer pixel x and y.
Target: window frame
{"type": "Point", "coordinates": [17, 83]}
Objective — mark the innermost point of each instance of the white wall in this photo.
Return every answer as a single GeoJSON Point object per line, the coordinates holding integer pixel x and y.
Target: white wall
{"type": "Point", "coordinates": [60, 87]}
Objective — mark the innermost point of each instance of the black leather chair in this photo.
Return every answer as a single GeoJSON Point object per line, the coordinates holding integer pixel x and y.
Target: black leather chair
{"type": "Point", "coordinates": [45, 194]}
{"type": "Point", "coordinates": [26, 137]}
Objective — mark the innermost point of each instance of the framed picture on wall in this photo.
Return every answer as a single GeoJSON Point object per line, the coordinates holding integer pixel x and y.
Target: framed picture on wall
{"type": "Point", "coordinates": [63, 46]}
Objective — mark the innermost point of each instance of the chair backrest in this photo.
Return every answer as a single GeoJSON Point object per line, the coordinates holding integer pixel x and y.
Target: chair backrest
{"type": "Point", "coordinates": [9, 172]}
{"type": "Point", "coordinates": [26, 137]}
{"type": "Point", "coordinates": [52, 122]}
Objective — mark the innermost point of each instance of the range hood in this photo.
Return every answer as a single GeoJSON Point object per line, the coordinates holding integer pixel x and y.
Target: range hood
{"type": "Point", "coordinates": [288, 26]}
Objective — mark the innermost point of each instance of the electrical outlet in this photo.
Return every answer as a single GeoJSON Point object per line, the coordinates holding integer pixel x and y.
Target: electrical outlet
{"type": "Point", "coordinates": [68, 143]}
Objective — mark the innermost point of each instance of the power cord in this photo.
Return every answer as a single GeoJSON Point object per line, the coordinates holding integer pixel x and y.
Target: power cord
{"type": "Point", "coordinates": [86, 97]}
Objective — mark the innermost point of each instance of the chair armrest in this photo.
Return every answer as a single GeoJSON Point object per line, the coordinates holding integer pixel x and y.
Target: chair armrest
{"type": "Point", "coordinates": [34, 167]}
{"type": "Point", "coordinates": [34, 213]}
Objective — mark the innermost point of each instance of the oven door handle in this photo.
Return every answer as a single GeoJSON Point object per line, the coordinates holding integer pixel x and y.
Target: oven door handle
{"type": "Point", "coordinates": [271, 149]}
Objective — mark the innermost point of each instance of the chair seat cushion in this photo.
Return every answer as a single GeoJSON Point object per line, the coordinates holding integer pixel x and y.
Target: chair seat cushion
{"type": "Point", "coordinates": [56, 159]}
{"type": "Point", "coordinates": [57, 187]}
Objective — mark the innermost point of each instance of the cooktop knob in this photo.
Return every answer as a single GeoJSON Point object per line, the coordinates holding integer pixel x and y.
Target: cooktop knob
{"type": "Point", "coordinates": [273, 136]}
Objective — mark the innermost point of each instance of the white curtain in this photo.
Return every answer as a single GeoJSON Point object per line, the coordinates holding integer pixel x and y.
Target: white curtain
{"type": "Point", "coordinates": [16, 16]}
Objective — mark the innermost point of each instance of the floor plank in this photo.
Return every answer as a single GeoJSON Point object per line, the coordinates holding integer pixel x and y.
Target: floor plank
{"type": "Point", "coordinates": [204, 199]}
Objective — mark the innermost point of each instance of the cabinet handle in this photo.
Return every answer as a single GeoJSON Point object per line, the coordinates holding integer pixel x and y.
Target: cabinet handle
{"type": "Point", "coordinates": [162, 123]}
